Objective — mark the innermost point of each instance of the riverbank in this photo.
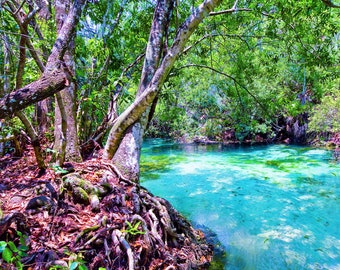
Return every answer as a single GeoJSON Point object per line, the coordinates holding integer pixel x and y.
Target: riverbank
{"type": "Point", "coordinates": [330, 141]}
{"type": "Point", "coordinates": [85, 215]}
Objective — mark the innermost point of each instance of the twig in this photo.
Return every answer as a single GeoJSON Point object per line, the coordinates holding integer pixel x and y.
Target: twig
{"type": "Point", "coordinates": [228, 11]}
{"type": "Point", "coordinates": [20, 7]}
{"type": "Point", "coordinates": [107, 251]}
{"type": "Point", "coordinates": [86, 230]}
{"type": "Point", "coordinates": [233, 79]}
{"type": "Point", "coordinates": [231, 10]}
{"type": "Point", "coordinates": [127, 248]}
{"type": "Point", "coordinates": [92, 239]}
{"type": "Point", "coordinates": [119, 174]}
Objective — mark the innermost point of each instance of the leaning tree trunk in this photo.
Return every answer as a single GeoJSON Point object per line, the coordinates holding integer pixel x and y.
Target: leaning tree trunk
{"type": "Point", "coordinates": [23, 21]}
{"type": "Point", "coordinates": [68, 98]}
{"type": "Point", "coordinates": [128, 154]}
{"type": "Point", "coordinates": [145, 99]}
{"type": "Point", "coordinates": [6, 85]}
{"type": "Point", "coordinates": [55, 77]}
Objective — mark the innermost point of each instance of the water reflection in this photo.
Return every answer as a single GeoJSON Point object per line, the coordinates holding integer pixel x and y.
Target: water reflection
{"type": "Point", "coordinates": [270, 207]}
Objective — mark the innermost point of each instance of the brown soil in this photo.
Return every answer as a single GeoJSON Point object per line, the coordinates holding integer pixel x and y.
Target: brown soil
{"type": "Point", "coordinates": [127, 228]}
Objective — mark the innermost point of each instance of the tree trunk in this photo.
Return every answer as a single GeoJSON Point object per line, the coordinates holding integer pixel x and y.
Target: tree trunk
{"type": "Point", "coordinates": [55, 77]}
{"type": "Point", "coordinates": [41, 115]}
{"type": "Point", "coordinates": [144, 100]}
{"type": "Point", "coordinates": [67, 97]}
{"type": "Point", "coordinates": [6, 86]}
{"type": "Point", "coordinates": [60, 132]}
{"type": "Point", "coordinates": [47, 85]}
{"type": "Point", "coordinates": [128, 154]}
{"type": "Point", "coordinates": [34, 139]}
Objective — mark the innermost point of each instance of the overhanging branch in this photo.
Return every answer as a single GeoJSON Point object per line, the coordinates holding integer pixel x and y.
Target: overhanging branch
{"type": "Point", "coordinates": [231, 10]}
{"type": "Point", "coordinates": [232, 78]}
{"type": "Point", "coordinates": [46, 86]}
{"type": "Point", "coordinates": [329, 3]}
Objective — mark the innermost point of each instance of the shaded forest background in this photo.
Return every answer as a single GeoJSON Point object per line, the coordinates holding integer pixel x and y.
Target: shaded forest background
{"type": "Point", "coordinates": [246, 74]}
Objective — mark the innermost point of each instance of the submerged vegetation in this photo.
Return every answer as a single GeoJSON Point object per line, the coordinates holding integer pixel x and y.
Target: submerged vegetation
{"type": "Point", "coordinates": [152, 165]}
{"type": "Point", "coordinates": [263, 214]}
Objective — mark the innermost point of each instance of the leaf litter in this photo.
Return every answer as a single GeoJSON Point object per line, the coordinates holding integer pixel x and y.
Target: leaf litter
{"type": "Point", "coordinates": [88, 216]}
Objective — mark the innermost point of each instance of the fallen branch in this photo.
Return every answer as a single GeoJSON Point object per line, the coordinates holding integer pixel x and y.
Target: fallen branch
{"type": "Point", "coordinates": [18, 218]}
{"type": "Point", "coordinates": [127, 248]}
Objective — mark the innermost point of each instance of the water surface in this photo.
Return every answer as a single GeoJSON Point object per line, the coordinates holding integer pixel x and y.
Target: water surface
{"type": "Point", "coordinates": [271, 207]}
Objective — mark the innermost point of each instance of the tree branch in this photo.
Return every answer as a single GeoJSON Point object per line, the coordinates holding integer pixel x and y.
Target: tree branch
{"type": "Point", "coordinates": [232, 10]}
{"type": "Point", "coordinates": [65, 33]}
{"type": "Point", "coordinates": [329, 3]}
{"type": "Point", "coordinates": [56, 76]}
{"type": "Point", "coordinates": [140, 105]}
{"type": "Point", "coordinates": [233, 79]}
{"type": "Point", "coordinates": [47, 85]}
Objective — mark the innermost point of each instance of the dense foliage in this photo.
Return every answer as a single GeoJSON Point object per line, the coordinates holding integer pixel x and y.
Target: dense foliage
{"type": "Point", "coordinates": [243, 71]}
{"type": "Point", "coordinates": [252, 69]}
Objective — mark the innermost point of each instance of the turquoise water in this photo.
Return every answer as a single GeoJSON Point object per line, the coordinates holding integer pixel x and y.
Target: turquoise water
{"type": "Point", "coordinates": [271, 207]}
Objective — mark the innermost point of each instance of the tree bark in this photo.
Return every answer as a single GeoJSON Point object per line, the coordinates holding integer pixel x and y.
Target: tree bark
{"type": "Point", "coordinates": [128, 154]}
{"type": "Point", "coordinates": [135, 111]}
{"type": "Point", "coordinates": [67, 98]}
{"type": "Point", "coordinates": [47, 85]}
{"type": "Point", "coordinates": [55, 77]}
{"type": "Point", "coordinates": [6, 86]}
{"type": "Point", "coordinates": [34, 139]}
{"type": "Point", "coordinates": [60, 135]}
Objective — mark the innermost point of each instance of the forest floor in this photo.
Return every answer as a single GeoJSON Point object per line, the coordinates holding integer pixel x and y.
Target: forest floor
{"type": "Point", "coordinates": [87, 217]}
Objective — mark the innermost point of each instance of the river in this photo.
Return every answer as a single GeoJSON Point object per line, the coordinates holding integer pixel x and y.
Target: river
{"type": "Point", "coordinates": [270, 207]}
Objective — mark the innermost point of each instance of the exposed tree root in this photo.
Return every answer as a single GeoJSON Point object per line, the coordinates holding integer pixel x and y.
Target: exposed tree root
{"type": "Point", "coordinates": [129, 229]}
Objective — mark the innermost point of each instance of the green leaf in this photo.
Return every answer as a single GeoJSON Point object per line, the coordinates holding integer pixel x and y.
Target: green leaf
{"type": "Point", "coordinates": [19, 264]}
{"type": "Point", "coordinates": [12, 246]}
{"type": "Point", "coordinates": [23, 248]}
{"type": "Point", "coordinates": [22, 253]}
{"type": "Point", "coordinates": [7, 255]}
{"type": "Point", "coordinates": [3, 245]}
{"type": "Point", "coordinates": [74, 265]}
{"type": "Point", "coordinates": [82, 267]}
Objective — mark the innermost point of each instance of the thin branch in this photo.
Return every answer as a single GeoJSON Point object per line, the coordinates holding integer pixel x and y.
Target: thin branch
{"type": "Point", "coordinates": [329, 3]}
{"type": "Point", "coordinates": [198, 41]}
{"type": "Point", "coordinates": [117, 19]}
{"type": "Point", "coordinates": [235, 4]}
{"type": "Point", "coordinates": [137, 60]}
{"type": "Point", "coordinates": [20, 7]}
{"type": "Point", "coordinates": [109, 119]}
{"type": "Point", "coordinates": [24, 35]}
{"type": "Point", "coordinates": [232, 10]}
{"type": "Point", "coordinates": [230, 77]}
{"type": "Point", "coordinates": [104, 67]}
{"type": "Point", "coordinates": [6, 139]}
{"type": "Point", "coordinates": [12, 33]}
{"type": "Point", "coordinates": [31, 15]}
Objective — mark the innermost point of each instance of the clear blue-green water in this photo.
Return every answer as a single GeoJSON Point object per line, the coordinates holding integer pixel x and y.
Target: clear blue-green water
{"type": "Point", "coordinates": [271, 207]}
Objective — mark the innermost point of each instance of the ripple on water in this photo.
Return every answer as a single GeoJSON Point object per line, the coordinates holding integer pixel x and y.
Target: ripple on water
{"type": "Point", "coordinates": [273, 207]}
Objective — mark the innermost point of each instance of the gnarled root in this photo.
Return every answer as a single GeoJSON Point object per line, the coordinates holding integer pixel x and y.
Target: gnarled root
{"type": "Point", "coordinates": [144, 231]}
{"type": "Point", "coordinates": [18, 218]}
